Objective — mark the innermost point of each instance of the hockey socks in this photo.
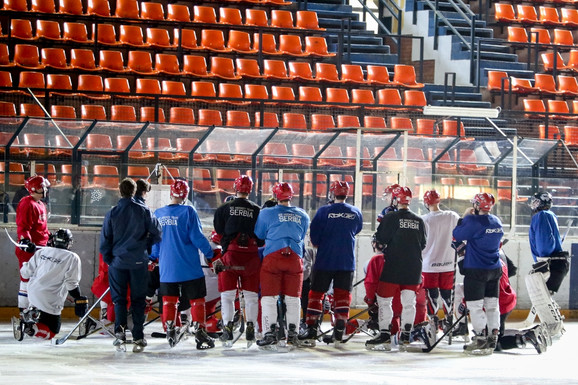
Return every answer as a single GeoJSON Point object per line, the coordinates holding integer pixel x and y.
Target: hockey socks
{"type": "Point", "coordinates": [170, 305]}
{"type": "Point", "coordinates": [314, 307]}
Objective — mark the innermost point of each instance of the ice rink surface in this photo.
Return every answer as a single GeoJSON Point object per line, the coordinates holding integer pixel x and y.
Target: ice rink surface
{"type": "Point", "coordinates": [95, 361]}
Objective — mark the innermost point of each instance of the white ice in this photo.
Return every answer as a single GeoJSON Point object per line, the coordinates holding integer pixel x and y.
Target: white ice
{"type": "Point", "coordinates": [94, 361]}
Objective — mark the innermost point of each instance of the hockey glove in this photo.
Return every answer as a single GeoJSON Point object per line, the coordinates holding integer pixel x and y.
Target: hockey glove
{"type": "Point", "coordinates": [80, 306]}
{"type": "Point", "coordinates": [153, 265]}
{"type": "Point", "coordinates": [218, 266]}
{"type": "Point", "coordinates": [369, 301]}
{"type": "Point", "coordinates": [459, 247]}
{"type": "Point", "coordinates": [27, 246]}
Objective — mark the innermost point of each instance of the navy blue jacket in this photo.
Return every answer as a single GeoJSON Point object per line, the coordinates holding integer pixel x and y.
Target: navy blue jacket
{"type": "Point", "coordinates": [129, 229]}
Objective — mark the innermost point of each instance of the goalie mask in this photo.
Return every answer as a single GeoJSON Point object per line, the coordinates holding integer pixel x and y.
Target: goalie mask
{"type": "Point", "coordinates": [37, 184]}
{"type": "Point", "coordinates": [387, 196]}
{"type": "Point", "coordinates": [61, 239]}
{"type": "Point", "coordinates": [540, 201]}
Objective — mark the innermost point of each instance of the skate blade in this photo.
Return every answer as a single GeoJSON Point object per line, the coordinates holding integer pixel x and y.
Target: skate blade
{"type": "Point", "coordinates": [205, 346]}
{"type": "Point", "coordinates": [138, 349]}
{"type": "Point", "coordinates": [249, 344]}
{"type": "Point", "coordinates": [269, 348]}
{"type": "Point", "coordinates": [379, 348]}
{"type": "Point", "coordinates": [479, 352]}
{"type": "Point", "coordinates": [120, 348]}
{"type": "Point", "coordinates": [404, 347]}
{"type": "Point", "coordinates": [227, 344]}
{"type": "Point", "coordinates": [307, 343]}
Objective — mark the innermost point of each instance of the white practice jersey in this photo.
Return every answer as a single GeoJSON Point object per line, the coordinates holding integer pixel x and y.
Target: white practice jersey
{"type": "Point", "coordinates": [438, 255]}
{"type": "Point", "coordinates": [52, 273]}
{"type": "Point", "coordinates": [211, 281]}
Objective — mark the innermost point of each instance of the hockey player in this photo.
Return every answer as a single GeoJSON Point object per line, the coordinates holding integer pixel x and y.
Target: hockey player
{"type": "Point", "coordinates": [283, 227]}
{"type": "Point", "coordinates": [235, 222]}
{"type": "Point", "coordinates": [550, 261]}
{"type": "Point", "coordinates": [179, 265]}
{"type": "Point", "coordinates": [31, 227]}
{"type": "Point", "coordinates": [438, 256]}
{"type": "Point", "coordinates": [128, 231]}
{"type": "Point", "coordinates": [333, 230]}
{"type": "Point", "coordinates": [387, 197]}
{"type": "Point", "coordinates": [482, 271]}
{"type": "Point", "coordinates": [53, 273]}
{"type": "Point", "coordinates": [403, 234]}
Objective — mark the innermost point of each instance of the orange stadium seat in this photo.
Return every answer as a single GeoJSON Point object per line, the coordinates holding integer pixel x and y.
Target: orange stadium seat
{"type": "Point", "coordinates": [270, 119]}
{"type": "Point", "coordinates": [187, 38]}
{"type": "Point", "coordinates": [31, 110]}
{"type": "Point", "coordinates": [48, 29]}
{"type": "Point", "coordinates": [173, 88]}
{"type": "Point", "coordinates": [346, 121]}
{"type": "Point", "coordinates": [317, 46]}
{"type": "Point", "coordinates": [151, 11]}
{"type": "Point", "coordinates": [526, 14]}
{"type": "Point", "coordinates": [237, 118]}
{"type": "Point", "coordinates": [223, 67]}
{"type": "Point", "coordinates": [181, 115]}
{"type": "Point", "coordinates": [123, 113]}
{"type": "Point", "coordinates": [204, 15]}
{"type": "Point", "coordinates": [495, 80]}
{"type": "Point", "coordinates": [268, 44]}
{"type": "Point", "coordinates": [240, 41]}
{"type": "Point", "coordinates": [553, 132]}
{"type": "Point", "coordinates": [82, 59]}
{"type": "Point", "coordinates": [76, 32]}
{"type": "Point", "coordinates": [517, 35]}
{"type": "Point", "coordinates": [231, 91]}
{"type": "Point", "coordinates": [294, 121]}
{"type": "Point", "coordinates": [450, 128]}
{"type": "Point", "coordinates": [281, 18]}
{"type": "Point", "coordinates": [275, 69]}
{"type": "Point", "coordinates": [214, 40]}
{"type": "Point", "coordinates": [310, 94]}
{"type": "Point", "coordinates": [426, 127]}
{"type": "Point", "coordinates": [256, 91]}
{"type": "Point", "coordinates": [569, 17]}
{"type": "Point", "coordinates": [147, 114]}
{"type": "Point", "coordinates": [549, 16]}
{"type": "Point", "coordinates": [94, 112]}
{"type": "Point", "coordinates": [195, 65]}
{"type": "Point", "coordinates": [15, 5]}
{"type": "Point", "coordinates": [378, 75]}
{"type": "Point", "coordinates": [546, 84]}
{"type": "Point", "coordinates": [91, 83]}
{"type": "Point", "coordinates": [363, 96]}
{"type": "Point", "coordinates": [307, 20]}
{"type": "Point", "coordinates": [563, 37]}
{"type": "Point", "coordinates": [523, 86]}
{"type": "Point", "coordinates": [389, 97]}
{"type": "Point", "coordinates": [209, 117]}
{"type": "Point", "coordinates": [54, 57]}
{"type": "Point", "coordinates": [291, 45]}
{"type": "Point", "coordinates": [131, 35]}
{"type": "Point", "coordinates": [167, 64]}
{"type": "Point", "coordinates": [568, 86]}
{"type": "Point", "coordinates": [141, 62]}
{"type": "Point", "coordinates": [106, 176]}
{"type": "Point", "coordinates": [70, 7]}
{"type": "Point", "coordinates": [201, 90]}
{"type": "Point", "coordinates": [127, 9]}
{"type": "Point", "coordinates": [231, 16]}
{"type": "Point", "coordinates": [542, 34]}
{"type": "Point", "coordinates": [178, 12]}
{"type": "Point", "coordinates": [98, 8]}
{"type": "Point", "coordinates": [148, 86]}
{"type": "Point", "coordinates": [63, 112]}
{"type": "Point", "coordinates": [321, 122]}
{"type": "Point", "coordinates": [374, 122]}
{"type": "Point", "coordinates": [112, 61]}
{"type": "Point", "coordinates": [282, 94]}
{"type": "Point", "coordinates": [106, 34]}
{"type": "Point", "coordinates": [338, 95]}
{"type": "Point", "coordinates": [401, 123]}
{"type": "Point", "coordinates": [248, 68]}
{"type": "Point", "coordinates": [26, 55]}
{"type": "Point", "coordinates": [21, 29]}
{"type": "Point", "coordinates": [504, 13]}
{"type": "Point", "coordinates": [34, 80]}
{"type": "Point", "coordinates": [43, 6]}
{"type": "Point", "coordinates": [404, 75]}
{"type": "Point", "coordinates": [59, 82]}
{"type": "Point", "coordinates": [352, 73]}
{"type": "Point", "coordinates": [158, 37]}
{"type": "Point", "coordinates": [256, 17]}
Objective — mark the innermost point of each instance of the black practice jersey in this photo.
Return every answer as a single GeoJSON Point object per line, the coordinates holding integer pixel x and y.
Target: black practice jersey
{"type": "Point", "coordinates": [234, 217]}
{"type": "Point", "coordinates": [403, 232]}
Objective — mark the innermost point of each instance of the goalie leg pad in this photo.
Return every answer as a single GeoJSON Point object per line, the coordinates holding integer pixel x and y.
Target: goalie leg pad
{"type": "Point", "coordinates": [546, 308]}
{"type": "Point", "coordinates": [432, 301]}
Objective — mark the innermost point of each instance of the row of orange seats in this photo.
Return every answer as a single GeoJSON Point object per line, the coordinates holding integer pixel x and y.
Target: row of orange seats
{"type": "Point", "coordinates": [527, 14]}
{"type": "Point", "coordinates": [124, 8]}
{"type": "Point", "coordinates": [562, 37]}
{"type": "Point", "coordinates": [544, 84]}
{"type": "Point", "coordinates": [557, 62]}
{"type": "Point", "coordinates": [536, 108]}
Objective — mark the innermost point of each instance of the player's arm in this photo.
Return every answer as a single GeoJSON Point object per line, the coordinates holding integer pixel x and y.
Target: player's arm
{"type": "Point", "coordinates": [106, 240]}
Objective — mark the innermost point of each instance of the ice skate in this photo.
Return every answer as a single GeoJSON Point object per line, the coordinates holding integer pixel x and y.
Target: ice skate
{"type": "Point", "coordinates": [171, 333]}
{"type": "Point", "coordinates": [424, 332]}
{"type": "Point", "coordinates": [337, 336]}
{"type": "Point", "coordinates": [139, 346]}
{"type": "Point", "coordinates": [545, 333]}
{"type": "Point", "coordinates": [269, 341]}
{"type": "Point", "coordinates": [493, 339]}
{"type": "Point", "coordinates": [203, 340]}
{"type": "Point", "coordinates": [535, 337]}
{"type": "Point", "coordinates": [404, 338]}
{"type": "Point", "coordinates": [250, 334]}
{"type": "Point", "coordinates": [86, 327]}
{"type": "Point", "coordinates": [227, 336]}
{"type": "Point", "coordinates": [478, 346]}
{"type": "Point", "coordinates": [120, 341]}
{"type": "Point", "coordinates": [292, 337]}
{"type": "Point", "coordinates": [381, 343]}
{"type": "Point", "coordinates": [309, 338]}
{"type": "Point", "coordinates": [461, 331]}
{"type": "Point", "coordinates": [17, 325]}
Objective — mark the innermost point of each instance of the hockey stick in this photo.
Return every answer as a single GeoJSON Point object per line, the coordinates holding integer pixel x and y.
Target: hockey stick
{"type": "Point", "coordinates": [450, 316]}
{"type": "Point", "coordinates": [60, 341]}
{"type": "Point", "coordinates": [414, 349]}
{"type": "Point", "coordinates": [21, 246]}
{"type": "Point", "coordinates": [568, 225]}
{"type": "Point", "coordinates": [225, 267]}
{"type": "Point", "coordinates": [101, 327]}
{"type": "Point", "coordinates": [241, 312]}
{"type": "Point", "coordinates": [349, 319]}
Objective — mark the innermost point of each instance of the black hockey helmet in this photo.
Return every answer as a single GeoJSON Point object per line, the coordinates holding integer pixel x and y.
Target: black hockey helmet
{"type": "Point", "coordinates": [541, 200]}
{"type": "Point", "coordinates": [61, 239]}
{"type": "Point", "coordinates": [375, 244]}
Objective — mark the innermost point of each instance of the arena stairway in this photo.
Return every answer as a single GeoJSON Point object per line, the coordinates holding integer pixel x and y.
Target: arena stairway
{"type": "Point", "coordinates": [494, 54]}
{"type": "Point", "coordinates": [366, 47]}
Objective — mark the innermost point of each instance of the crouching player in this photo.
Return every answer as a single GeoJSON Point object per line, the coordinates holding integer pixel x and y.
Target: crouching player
{"type": "Point", "coordinates": [53, 273]}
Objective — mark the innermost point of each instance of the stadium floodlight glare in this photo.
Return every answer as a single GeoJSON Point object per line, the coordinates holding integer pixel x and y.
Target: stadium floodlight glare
{"type": "Point", "coordinates": [469, 112]}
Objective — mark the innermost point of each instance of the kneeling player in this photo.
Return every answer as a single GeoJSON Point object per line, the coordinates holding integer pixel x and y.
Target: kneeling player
{"type": "Point", "coordinates": [179, 265]}
{"type": "Point", "coordinates": [53, 272]}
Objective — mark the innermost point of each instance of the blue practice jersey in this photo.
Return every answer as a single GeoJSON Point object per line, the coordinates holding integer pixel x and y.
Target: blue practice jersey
{"type": "Point", "coordinates": [333, 231]}
{"type": "Point", "coordinates": [544, 234]}
{"type": "Point", "coordinates": [281, 226]}
{"type": "Point", "coordinates": [178, 252]}
{"type": "Point", "coordinates": [483, 234]}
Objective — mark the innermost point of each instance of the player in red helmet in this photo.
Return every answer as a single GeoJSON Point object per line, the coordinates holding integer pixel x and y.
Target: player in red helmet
{"type": "Point", "coordinates": [482, 271]}
{"type": "Point", "coordinates": [283, 227]}
{"type": "Point", "coordinates": [438, 256]}
{"type": "Point", "coordinates": [403, 234]}
{"type": "Point", "coordinates": [31, 227]}
{"type": "Point", "coordinates": [390, 204]}
{"type": "Point", "coordinates": [235, 221]}
{"type": "Point", "coordinates": [333, 231]}
{"type": "Point", "coordinates": [181, 274]}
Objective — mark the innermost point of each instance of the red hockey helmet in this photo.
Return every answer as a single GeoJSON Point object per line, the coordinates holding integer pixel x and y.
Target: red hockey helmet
{"type": "Point", "coordinates": [283, 191]}
{"type": "Point", "coordinates": [36, 183]}
{"type": "Point", "coordinates": [339, 188]}
{"type": "Point", "coordinates": [180, 189]}
{"type": "Point", "coordinates": [402, 195]}
{"type": "Point", "coordinates": [483, 201]}
{"type": "Point", "coordinates": [431, 197]}
{"type": "Point", "coordinates": [243, 184]}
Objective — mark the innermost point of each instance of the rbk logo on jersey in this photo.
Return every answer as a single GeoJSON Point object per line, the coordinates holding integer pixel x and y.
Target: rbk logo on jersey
{"type": "Point", "coordinates": [499, 230]}
{"type": "Point", "coordinates": [350, 216]}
